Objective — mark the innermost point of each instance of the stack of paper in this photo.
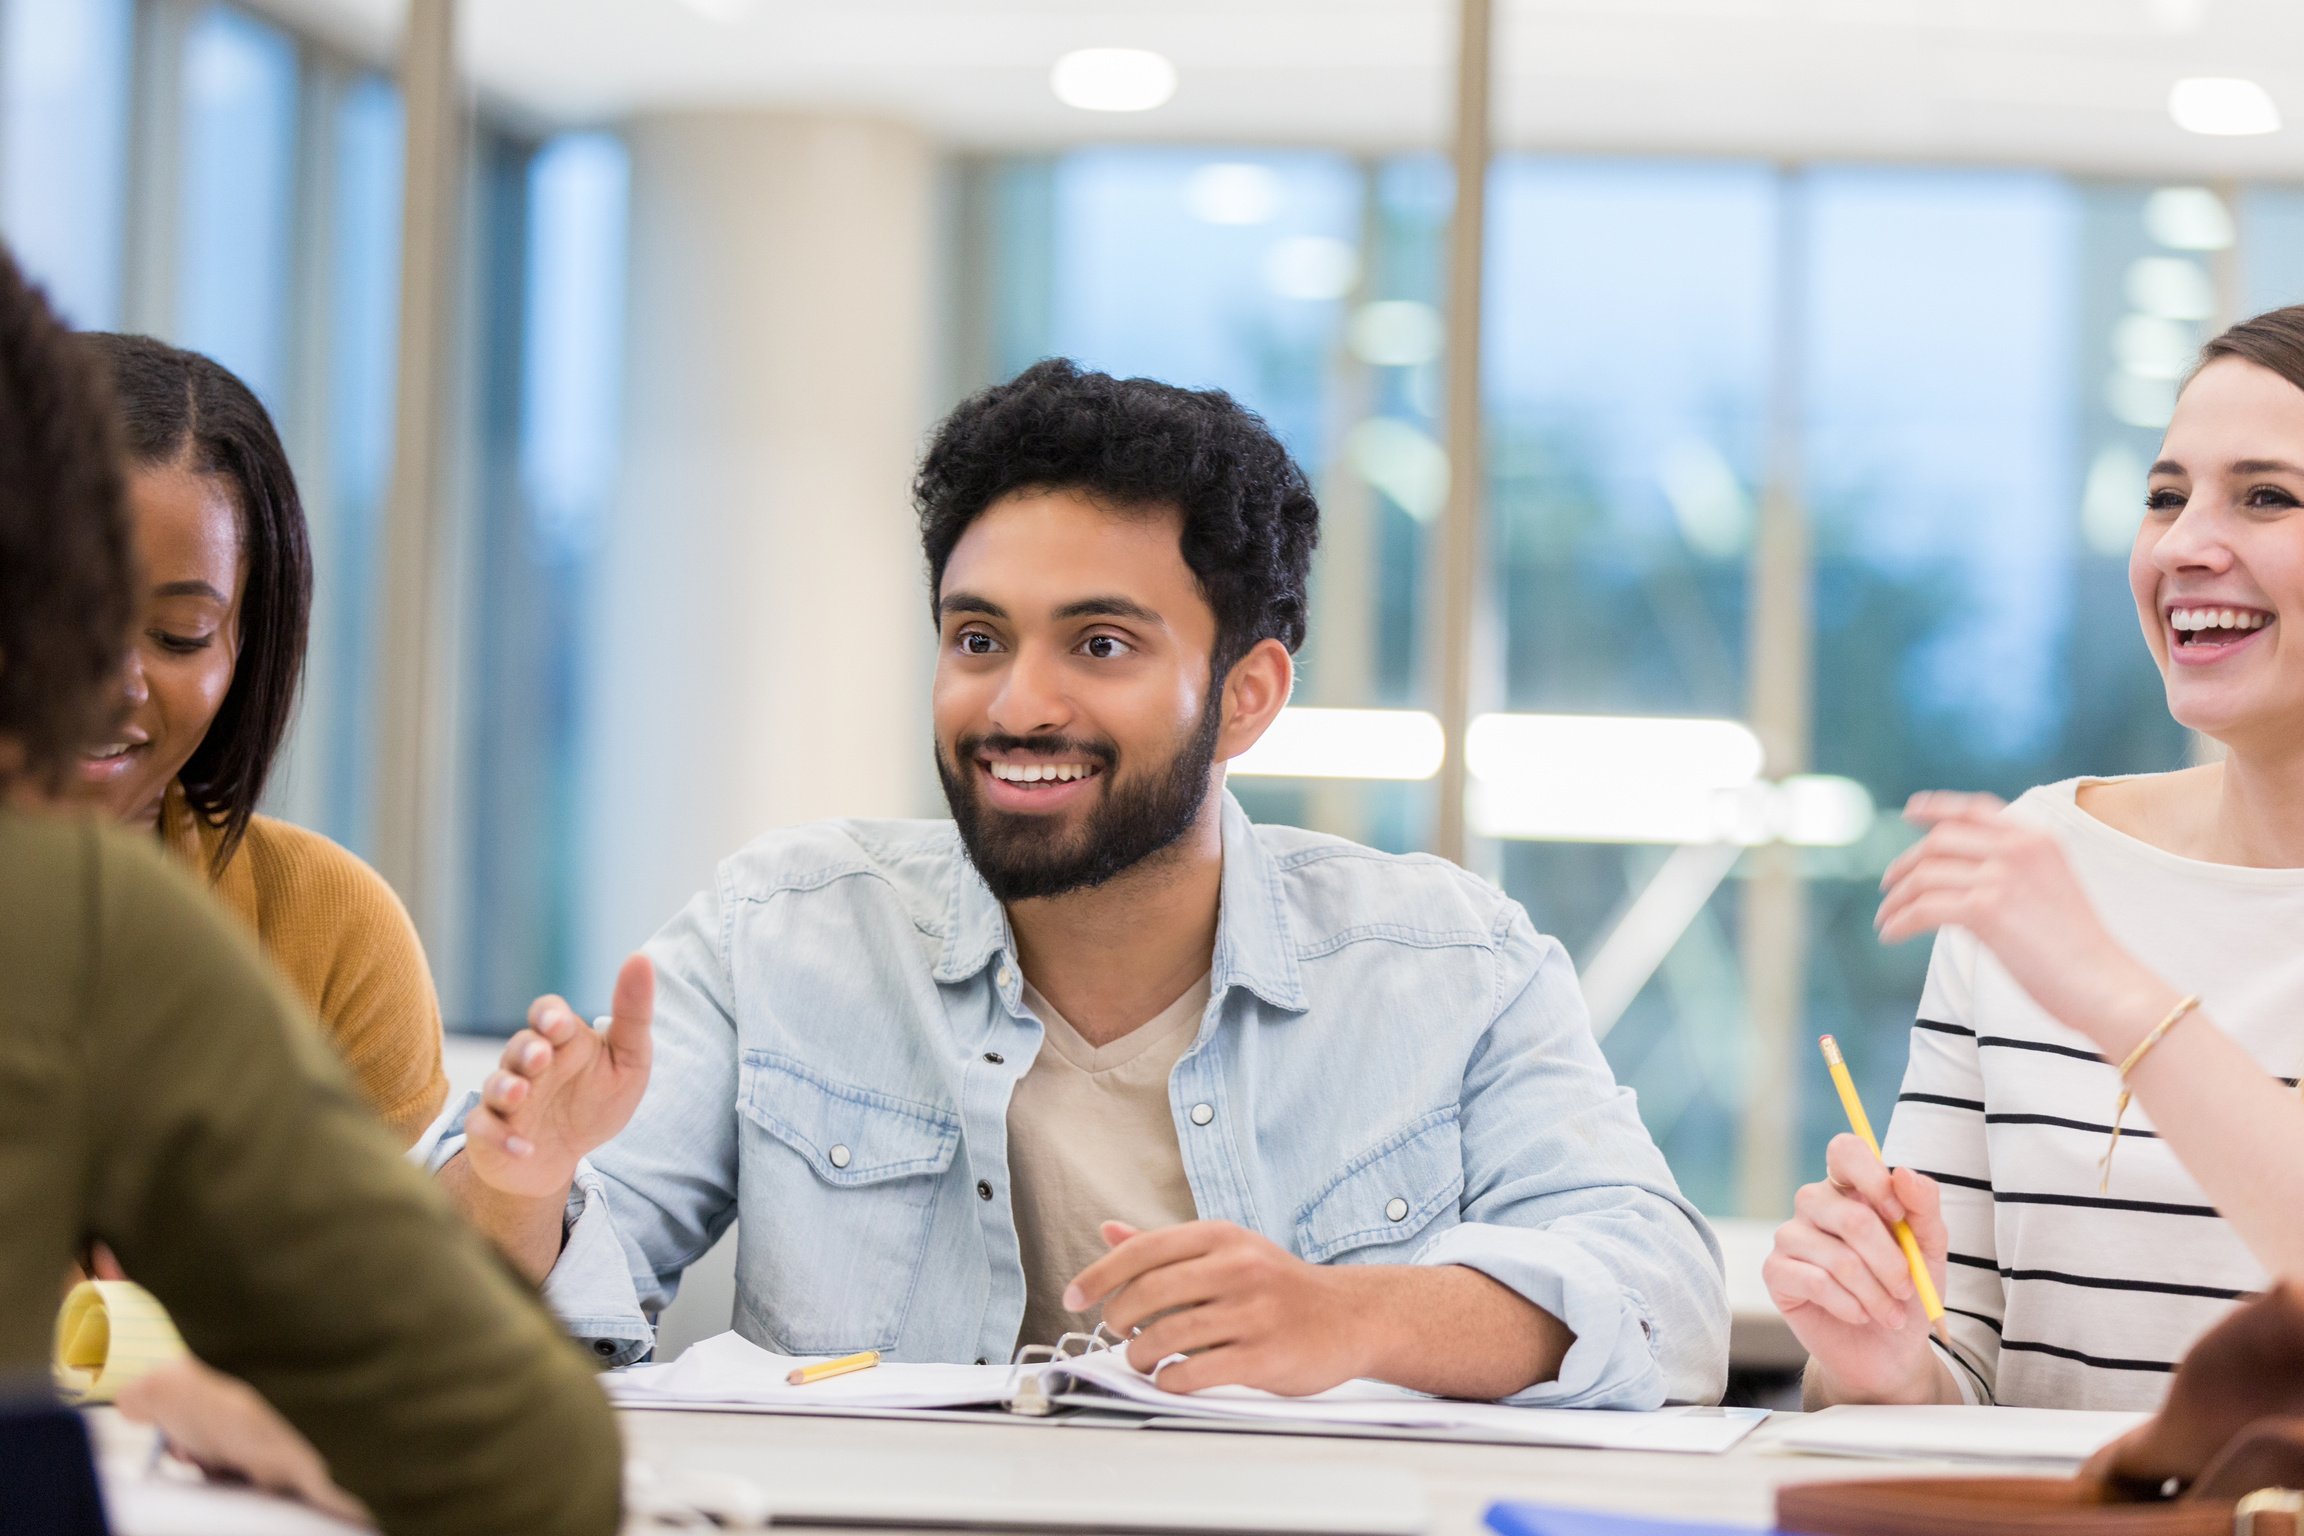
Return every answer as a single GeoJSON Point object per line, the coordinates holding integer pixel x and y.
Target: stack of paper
{"type": "Point", "coordinates": [729, 1373]}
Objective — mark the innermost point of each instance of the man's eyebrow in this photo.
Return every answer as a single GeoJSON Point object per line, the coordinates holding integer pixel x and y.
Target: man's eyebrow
{"type": "Point", "coordinates": [1110, 608]}
{"type": "Point", "coordinates": [969, 602]}
{"type": "Point", "coordinates": [188, 589]}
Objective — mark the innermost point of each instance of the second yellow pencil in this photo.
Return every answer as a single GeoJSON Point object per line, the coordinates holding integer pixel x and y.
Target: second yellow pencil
{"type": "Point", "coordinates": [1862, 1126]}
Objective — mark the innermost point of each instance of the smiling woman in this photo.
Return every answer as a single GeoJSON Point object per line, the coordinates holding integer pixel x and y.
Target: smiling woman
{"type": "Point", "coordinates": [207, 692]}
{"type": "Point", "coordinates": [2104, 937]}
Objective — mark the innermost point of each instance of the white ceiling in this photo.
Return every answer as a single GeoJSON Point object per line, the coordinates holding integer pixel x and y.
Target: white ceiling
{"type": "Point", "coordinates": [2077, 83]}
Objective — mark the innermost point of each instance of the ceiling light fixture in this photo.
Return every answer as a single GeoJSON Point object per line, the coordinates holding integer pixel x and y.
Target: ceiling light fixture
{"type": "Point", "coordinates": [1113, 79]}
{"type": "Point", "coordinates": [2223, 107]}
{"type": "Point", "coordinates": [726, 12]}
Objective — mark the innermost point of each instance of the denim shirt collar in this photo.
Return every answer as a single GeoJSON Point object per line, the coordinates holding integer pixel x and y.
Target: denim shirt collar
{"type": "Point", "coordinates": [1254, 946]}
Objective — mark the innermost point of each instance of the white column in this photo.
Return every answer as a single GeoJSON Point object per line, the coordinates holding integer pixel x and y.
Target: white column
{"type": "Point", "coordinates": [759, 614]}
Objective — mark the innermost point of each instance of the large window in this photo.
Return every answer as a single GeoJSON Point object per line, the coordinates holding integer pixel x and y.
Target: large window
{"type": "Point", "coordinates": [190, 169]}
{"type": "Point", "coordinates": [1972, 366]}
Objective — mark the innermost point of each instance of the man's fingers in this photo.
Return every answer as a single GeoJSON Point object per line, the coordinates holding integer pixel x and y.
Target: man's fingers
{"type": "Point", "coordinates": [527, 1053]}
{"type": "Point", "coordinates": [1141, 1254]}
{"type": "Point", "coordinates": [553, 1008]}
{"type": "Point", "coordinates": [1227, 1365]}
{"type": "Point", "coordinates": [1188, 1284]}
{"type": "Point", "coordinates": [485, 1127]}
{"type": "Point", "coordinates": [1183, 1333]}
{"type": "Point", "coordinates": [631, 1011]}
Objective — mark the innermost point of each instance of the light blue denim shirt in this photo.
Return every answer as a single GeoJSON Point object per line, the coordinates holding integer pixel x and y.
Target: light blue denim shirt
{"type": "Point", "coordinates": [1393, 1068]}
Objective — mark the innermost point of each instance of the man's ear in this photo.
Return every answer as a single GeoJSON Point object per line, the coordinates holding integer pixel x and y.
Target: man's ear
{"type": "Point", "coordinates": [1254, 692]}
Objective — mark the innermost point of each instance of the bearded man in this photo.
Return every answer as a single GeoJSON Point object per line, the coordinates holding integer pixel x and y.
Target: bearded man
{"type": "Point", "coordinates": [1100, 1049]}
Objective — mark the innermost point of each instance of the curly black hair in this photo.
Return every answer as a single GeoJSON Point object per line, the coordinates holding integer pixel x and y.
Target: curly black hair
{"type": "Point", "coordinates": [1250, 519]}
{"type": "Point", "coordinates": [67, 567]}
{"type": "Point", "coordinates": [181, 408]}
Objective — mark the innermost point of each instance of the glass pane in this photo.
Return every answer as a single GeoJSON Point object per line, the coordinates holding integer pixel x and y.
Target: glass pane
{"type": "Point", "coordinates": [1628, 363]}
{"type": "Point", "coordinates": [557, 254]}
{"type": "Point", "coordinates": [1972, 392]}
{"type": "Point", "coordinates": [64, 88]}
{"type": "Point", "coordinates": [363, 256]}
{"type": "Point", "coordinates": [239, 165]}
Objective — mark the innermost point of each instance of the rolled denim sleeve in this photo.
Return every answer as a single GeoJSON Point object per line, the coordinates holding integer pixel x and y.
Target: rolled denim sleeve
{"type": "Point", "coordinates": [1569, 1203]}
{"type": "Point", "coordinates": [657, 1197]}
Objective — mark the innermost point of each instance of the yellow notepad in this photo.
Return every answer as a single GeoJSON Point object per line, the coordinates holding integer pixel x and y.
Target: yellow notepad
{"type": "Point", "coordinates": [109, 1333]}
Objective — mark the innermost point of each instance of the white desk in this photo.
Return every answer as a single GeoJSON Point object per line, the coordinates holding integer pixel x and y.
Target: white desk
{"type": "Point", "coordinates": [1460, 1481]}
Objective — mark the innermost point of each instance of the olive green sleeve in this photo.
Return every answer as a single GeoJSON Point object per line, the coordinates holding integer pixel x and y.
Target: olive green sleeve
{"type": "Point", "coordinates": [237, 1176]}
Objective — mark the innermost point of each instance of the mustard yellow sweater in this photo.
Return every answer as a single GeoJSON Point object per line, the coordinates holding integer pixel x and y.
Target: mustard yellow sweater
{"type": "Point", "coordinates": [339, 935]}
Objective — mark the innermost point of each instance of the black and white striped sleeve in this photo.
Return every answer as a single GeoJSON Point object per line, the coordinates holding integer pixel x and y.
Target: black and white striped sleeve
{"type": "Point", "coordinates": [1938, 1129]}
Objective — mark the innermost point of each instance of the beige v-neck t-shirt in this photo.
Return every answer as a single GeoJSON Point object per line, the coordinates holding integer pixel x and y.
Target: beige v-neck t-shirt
{"type": "Point", "coordinates": [1091, 1139]}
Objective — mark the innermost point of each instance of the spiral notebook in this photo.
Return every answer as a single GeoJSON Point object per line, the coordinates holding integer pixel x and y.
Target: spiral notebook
{"type": "Point", "coordinates": [730, 1374]}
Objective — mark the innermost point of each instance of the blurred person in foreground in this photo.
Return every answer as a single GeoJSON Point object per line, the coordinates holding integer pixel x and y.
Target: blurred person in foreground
{"type": "Point", "coordinates": [210, 685]}
{"type": "Point", "coordinates": [207, 688]}
{"type": "Point", "coordinates": [162, 1093]}
{"type": "Point", "coordinates": [1098, 1048]}
{"type": "Point", "coordinates": [2147, 922]}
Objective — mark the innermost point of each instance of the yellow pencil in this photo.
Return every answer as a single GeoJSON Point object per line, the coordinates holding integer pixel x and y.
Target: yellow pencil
{"type": "Point", "coordinates": [825, 1370]}
{"type": "Point", "coordinates": [1863, 1127]}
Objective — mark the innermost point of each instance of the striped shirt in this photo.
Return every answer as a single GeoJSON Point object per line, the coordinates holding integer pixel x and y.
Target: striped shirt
{"type": "Point", "coordinates": [2058, 1294]}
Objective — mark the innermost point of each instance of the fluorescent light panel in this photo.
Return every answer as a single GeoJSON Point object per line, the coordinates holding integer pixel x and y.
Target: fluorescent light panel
{"type": "Point", "coordinates": [1578, 778]}
{"type": "Point", "coordinates": [1306, 743]}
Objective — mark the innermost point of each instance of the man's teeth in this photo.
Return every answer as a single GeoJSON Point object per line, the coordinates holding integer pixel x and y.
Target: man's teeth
{"type": "Point", "coordinates": [1033, 773]}
{"type": "Point", "coordinates": [2217, 618]}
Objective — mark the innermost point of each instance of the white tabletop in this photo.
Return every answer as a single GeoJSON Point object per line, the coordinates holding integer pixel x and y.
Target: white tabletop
{"type": "Point", "coordinates": [1460, 1481]}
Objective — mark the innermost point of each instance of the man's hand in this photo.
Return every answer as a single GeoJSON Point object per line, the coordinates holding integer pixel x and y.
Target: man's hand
{"type": "Point", "coordinates": [1247, 1311]}
{"type": "Point", "coordinates": [561, 1090]}
{"type": "Point", "coordinates": [220, 1425]}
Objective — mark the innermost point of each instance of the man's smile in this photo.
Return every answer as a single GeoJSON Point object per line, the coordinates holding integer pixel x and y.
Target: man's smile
{"type": "Point", "coordinates": [1029, 783]}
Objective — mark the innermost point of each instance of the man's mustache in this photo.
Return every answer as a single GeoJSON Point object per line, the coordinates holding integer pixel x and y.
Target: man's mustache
{"type": "Point", "coordinates": [1038, 746]}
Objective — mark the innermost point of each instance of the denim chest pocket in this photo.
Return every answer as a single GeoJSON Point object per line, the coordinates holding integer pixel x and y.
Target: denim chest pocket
{"type": "Point", "coordinates": [839, 1187]}
{"type": "Point", "coordinates": [1389, 1194]}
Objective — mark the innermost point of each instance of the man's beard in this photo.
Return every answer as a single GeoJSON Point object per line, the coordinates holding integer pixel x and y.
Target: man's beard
{"type": "Point", "coordinates": [1023, 857]}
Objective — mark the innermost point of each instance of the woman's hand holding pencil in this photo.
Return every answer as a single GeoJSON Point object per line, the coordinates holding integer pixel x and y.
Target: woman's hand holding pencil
{"type": "Point", "coordinates": [1844, 1284]}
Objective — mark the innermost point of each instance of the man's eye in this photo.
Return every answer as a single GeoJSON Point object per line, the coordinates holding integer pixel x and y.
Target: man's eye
{"type": "Point", "coordinates": [1106, 647]}
{"type": "Point", "coordinates": [976, 643]}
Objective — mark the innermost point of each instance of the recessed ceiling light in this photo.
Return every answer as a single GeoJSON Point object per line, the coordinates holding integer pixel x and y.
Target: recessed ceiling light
{"type": "Point", "coordinates": [2226, 108]}
{"type": "Point", "coordinates": [2189, 219]}
{"type": "Point", "coordinates": [1113, 79]}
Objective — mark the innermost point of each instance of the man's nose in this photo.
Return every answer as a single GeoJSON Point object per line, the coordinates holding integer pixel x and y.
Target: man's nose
{"type": "Point", "coordinates": [1031, 698]}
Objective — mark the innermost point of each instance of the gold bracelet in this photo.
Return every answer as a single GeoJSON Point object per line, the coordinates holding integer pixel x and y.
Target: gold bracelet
{"type": "Point", "coordinates": [2120, 1109]}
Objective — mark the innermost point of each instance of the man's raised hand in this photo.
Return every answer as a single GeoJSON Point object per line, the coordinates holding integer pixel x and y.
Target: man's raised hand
{"type": "Point", "coordinates": [561, 1089]}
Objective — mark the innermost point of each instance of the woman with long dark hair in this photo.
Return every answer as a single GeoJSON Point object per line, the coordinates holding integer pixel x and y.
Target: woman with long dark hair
{"type": "Point", "coordinates": [210, 684]}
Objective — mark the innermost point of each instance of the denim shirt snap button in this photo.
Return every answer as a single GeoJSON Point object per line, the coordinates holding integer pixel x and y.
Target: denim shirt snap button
{"type": "Point", "coordinates": [839, 1157]}
{"type": "Point", "coordinates": [1396, 1209]}
{"type": "Point", "coordinates": [1202, 1114]}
